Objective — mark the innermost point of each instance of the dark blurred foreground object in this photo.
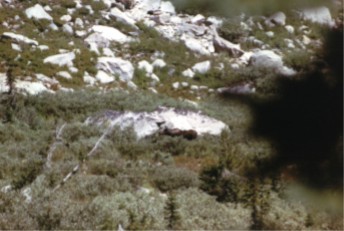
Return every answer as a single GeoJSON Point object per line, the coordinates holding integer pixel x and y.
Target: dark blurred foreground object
{"type": "Point", "coordinates": [305, 120]}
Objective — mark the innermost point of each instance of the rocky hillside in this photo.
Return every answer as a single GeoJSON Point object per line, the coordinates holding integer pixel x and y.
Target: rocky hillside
{"type": "Point", "coordinates": [112, 116]}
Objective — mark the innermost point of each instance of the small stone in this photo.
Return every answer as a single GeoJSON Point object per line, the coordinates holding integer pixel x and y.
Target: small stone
{"type": "Point", "coordinates": [104, 78]}
{"type": "Point", "coordinates": [188, 73]}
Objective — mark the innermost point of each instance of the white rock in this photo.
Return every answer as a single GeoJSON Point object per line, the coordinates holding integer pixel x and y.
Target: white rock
{"type": "Point", "coordinates": [89, 79]}
{"type": "Point", "coordinates": [104, 78]}
{"type": "Point", "coordinates": [20, 38]}
{"type": "Point", "coordinates": [270, 34]}
{"type": "Point", "coordinates": [146, 66]}
{"type": "Point", "coordinates": [215, 21]}
{"type": "Point", "coordinates": [6, 188]}
{"type": "Point", "coordinates": [3, 83]}
{"type": "Point", "coordinates": [198, 19]}
{"type": "Point", "coordinates": [64, 74]}
{"type": "Point", "coordinates": [47, 8]}
{"type": "Point", "coordinates": [16, 47]}
{"type": "Point", "coordinates": [32, 88]}
{"type": "Point", "coordinates": [106, 34]}
{"type": "Point", "coordinates": [154, 77]}
{"type": "Point", "coordinates": [43, 47]}
{"type": "Point", "coordinates": [66, 18]}
{"type": "Point", "coordinates": [94, 48]}
{"type": "Point", "coordinates": [67, 29]}
{"type": "Point", "coordinates": [184, 84]}
{"type": "Point", "coordinates": [153, 90]}
{"type": "Point", "coordinates": [53, 27]}
{"type": "Point", "coordinates": [222, 44]}
{"type": "Point", "coordinates": [290, 43]}
{"type": "Point", "coordinates": [194, 45]}
{"type": "Point", "coordinates": [116, 66]}
{"type": "Point", "coordinates": [132, 85]}
{"type": "Point", "coordinates": [108, 52]}
{"type": "Point", "coordinates": [194, 87]}
{"type": "Point", "coordinates": [79, 23]}
{"type": "Point", "coordinates": [176, 85]}
{"type": "Point", "coordinates": [276, 19]}
{"type": "Point", "coordinates": [159, 63]}
{"type": "Point", "coordinates": [37, 12]}
{"type": "Point", "coordinates": [122, 17]}
{"type": "Point", "coordinates": [306, 40]}
{"type": "Point", "coordinates": [188, 73]}
{"type": "Point", "coordinates": [267, 59]}
{"type": "Point", "coordinates": [61, 59]}
{"type": "Point", "coordinates": [321, 15]}
{"type": "Point", "coordinates": [202, 67]}
{"type": "Point", "coordinates": [290, 29]}
{"type": "Point", "coordinates": [27, 193]}
{"type": "Point", "coordinates": [80, 33]}
{"type": "Point", "coordinates": [145, 124]}
{"type": "Point", "coordinates": [166, 6]}
{"type": "Point", "coordinates": [73, 69]}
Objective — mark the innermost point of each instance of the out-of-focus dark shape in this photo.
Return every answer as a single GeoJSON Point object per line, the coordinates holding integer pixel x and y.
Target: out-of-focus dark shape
{"type": "Point", "coordinates": [305, 119]}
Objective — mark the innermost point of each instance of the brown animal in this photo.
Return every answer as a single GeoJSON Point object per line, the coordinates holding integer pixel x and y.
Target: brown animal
{"type": "Point", "coordinates": [187, 134]}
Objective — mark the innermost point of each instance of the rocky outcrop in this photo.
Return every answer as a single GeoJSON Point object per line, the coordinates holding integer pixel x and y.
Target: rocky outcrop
{"type": "Point", "coordinates": [321, 15]}
{"type": "Point", "coordinates": [65, 59]}
{"type": "Point", "coordinates": [117, 67]}
{"type": "Point", "coordinates": [167, 121]}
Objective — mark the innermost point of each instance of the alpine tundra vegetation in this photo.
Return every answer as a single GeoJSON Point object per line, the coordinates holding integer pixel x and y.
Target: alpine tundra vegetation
{"type": "Point", "coordinates": [171, 115]}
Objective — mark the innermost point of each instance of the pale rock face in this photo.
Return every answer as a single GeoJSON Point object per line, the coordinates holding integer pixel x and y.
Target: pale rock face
{"type": "Point", "coordinates": [132, 85]}
{"type": "Point", "coordinates": [176, 85]}
{"type": "Point", "coordinates": [79, 23]}
{"type": "Point", "coordinates": [108, 52]}
{"type": "Point", "coordinates": [37, 12]}
{"type": "Point", "coordinates": [321, 15]}
{"type": "Point", "coordinates": [145, 124]}
{"type": "Point", "coordinates": [53, 27]}
{"type": "Point", "coordinates": [146, 66]}
{"type": "Point", "coordinates": [202, 67]}
{"type": "Point", "coordinates": [116, 66]}
{"type": "Point", "coordinates": [270, 34]}
{"type": "Point", "coordinates": [104, 78]}
{"type": "Point", "coordinates": [16, 47]}
{"type": "Point", "coordinates": [43, 47]}
{"type": "Point", "coordinates": [20, 38]}
{"type": "Point", "coordinates": [65, 59]}
{"type": "Point", "coordinates": [267, 59]}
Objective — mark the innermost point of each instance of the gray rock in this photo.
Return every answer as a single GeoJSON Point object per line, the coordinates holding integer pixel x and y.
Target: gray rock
{"type": "Point", "coordinates": [202, 67]}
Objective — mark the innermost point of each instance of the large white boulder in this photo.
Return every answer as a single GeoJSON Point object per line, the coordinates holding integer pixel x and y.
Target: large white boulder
{"type": "Point", "coordinates": [37, 12]}
{"type": "Point", "coordinates": [321, 15]}
{"type": "Point", "coordinates": [116, 66]}
{"type": "Point", "coordinates": [147, 123]}
{"type": "Point", "coordinates": [269, 60]}
{"type": "Point", "coordinates": [65, 59]}
{"type": "Point", "coordinates": [20, 38]}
